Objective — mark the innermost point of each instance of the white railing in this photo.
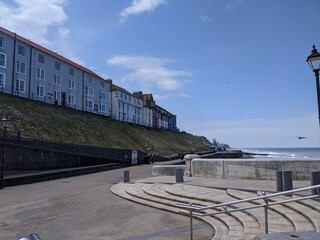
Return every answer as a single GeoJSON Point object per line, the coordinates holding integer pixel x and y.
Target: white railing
{"type": "Point", "coordinates": [222, 208]}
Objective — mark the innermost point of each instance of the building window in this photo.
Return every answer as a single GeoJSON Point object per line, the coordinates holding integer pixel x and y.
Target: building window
{"type": "Point", "coordinates": [102, 85]}
{"type": "Point", "coordinates": [20, 85]}
{"type": "Point", "coordinates": [21, 67]}
{"type": "Point", "coordinates": [89, 104]}
{"type": "Point", "coordinates": [90, 79]}
{"type": "Point", "coordinates": [57, 66]}
{"type": "Point", "coordinates": [71, 99]}
{"type": "Point", "coordinates": [103, 96]}
{"type": "Point", "coordinates": [1, 42]}
{"type": "Point", "coordinates": [71, 71]}
{"type": "Point", "coordinates": [89, 91]}
{"type": "Point", "coordinates": [41, 58]}
{"type": "Point", "coordinates": [102, 108]}
{"type": "Point", "coordinates": [40, 91]}
{"type": "Point", "coordinates": [21, 50]}
{"type": "Point", "coordinates": [2, 80]}
{"type": "Point", "coordinates": [41, 74]}
{"type": "Point", "coordinates": [71, 84]}
{"type": "Point", "coordinates": [57, 80]}
{"type": "Point", "coordinates": [57, 95]}
{"type": "Point", "coordinates": [3, 60]}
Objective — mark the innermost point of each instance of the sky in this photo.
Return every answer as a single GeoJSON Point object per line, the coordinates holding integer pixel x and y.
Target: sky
{"type": "Point", "coordinates": [233, 70]}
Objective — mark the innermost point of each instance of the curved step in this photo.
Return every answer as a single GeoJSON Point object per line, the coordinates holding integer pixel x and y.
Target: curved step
{"type": "Point", "coordinates": [250, 226]}
{"type": "Point", "coordinates": [312, 215]}
{"type": "Point", "coordinates": [280, 216]}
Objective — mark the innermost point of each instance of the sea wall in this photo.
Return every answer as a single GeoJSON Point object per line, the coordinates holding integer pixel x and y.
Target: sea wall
{"type": "Point", "coordinates": [264, 169]}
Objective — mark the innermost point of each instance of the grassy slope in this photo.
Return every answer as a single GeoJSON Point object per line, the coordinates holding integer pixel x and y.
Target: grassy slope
{"type": "Point", "coordinates": [39, 120]}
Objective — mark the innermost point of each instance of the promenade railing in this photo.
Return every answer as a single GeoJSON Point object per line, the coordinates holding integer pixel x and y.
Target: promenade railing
{"type": "Point", "coordinates": [229, 207]}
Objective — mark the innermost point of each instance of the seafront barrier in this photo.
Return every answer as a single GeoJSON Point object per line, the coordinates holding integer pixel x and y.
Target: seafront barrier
{"type": "Point", "coordinates": [260, 169]}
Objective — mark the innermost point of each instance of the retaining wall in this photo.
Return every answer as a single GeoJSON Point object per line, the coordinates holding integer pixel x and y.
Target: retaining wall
{"type": "Point", "coordinates": [263, 169]}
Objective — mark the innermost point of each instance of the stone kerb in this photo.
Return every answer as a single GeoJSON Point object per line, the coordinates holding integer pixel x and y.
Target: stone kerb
{"type": "Point", "coordinates": [188, 158]}
{"type": "Point", "coordinates": [253, 168]}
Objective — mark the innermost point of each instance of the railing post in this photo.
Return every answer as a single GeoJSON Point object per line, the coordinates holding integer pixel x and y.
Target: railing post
{"type": "Point", "coordinates": [266, 224]}
{"type": "Point", "coordinates": [315, 180]}
{"type": "Point", "coordinates": [191, 225]}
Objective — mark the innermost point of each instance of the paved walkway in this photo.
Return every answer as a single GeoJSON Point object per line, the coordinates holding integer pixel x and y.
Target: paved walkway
{"type": "Point", "coordinates": [84, 207]}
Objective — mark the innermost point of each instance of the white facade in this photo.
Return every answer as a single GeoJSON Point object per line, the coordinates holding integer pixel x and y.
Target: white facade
{"type": "Point", "coordinates": [125, 107]}
{"type": "Point", "coordinates": [147, 116]}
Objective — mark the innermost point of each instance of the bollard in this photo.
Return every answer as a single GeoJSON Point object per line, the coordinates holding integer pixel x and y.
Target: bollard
{"type": "Point", "coordinates": [126, 176]}
{"type": "Point", "coordinates": [279, 180]}
{"type": "Point", "coordinates": [179, 175]}
{"type": "Point", "coordinates": [34, 236]}
{"type": "Point", "coordinates": [315, 180]}
{"type": "Point", "coordinates": [287, 180]}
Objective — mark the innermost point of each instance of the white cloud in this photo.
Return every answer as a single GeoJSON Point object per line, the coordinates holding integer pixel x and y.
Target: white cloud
{"type": "Point", "coordinates": [33, 19]}
{"type": "Point", "coordinates": [140, 6]}
{"type": "Point", "coordinates": [234, 4]}
{"type": "Point", "coordinates": [150, 72]}
{"type": "Point", "coordinates": [260, 132]}
{"type": "Point", "coordinates": [205, 18]}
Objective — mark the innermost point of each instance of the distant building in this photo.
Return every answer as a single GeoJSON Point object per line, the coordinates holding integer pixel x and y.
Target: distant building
{"type": "Point", "coordinates": [125, 106]}
{"type": "Point", "coordinates": [147, 114]}
{"type": "Point", "coordinates": [161, 118]}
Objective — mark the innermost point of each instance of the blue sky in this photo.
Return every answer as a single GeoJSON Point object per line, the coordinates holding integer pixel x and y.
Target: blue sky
{"type": "Point", "coordinates": [233, 70]}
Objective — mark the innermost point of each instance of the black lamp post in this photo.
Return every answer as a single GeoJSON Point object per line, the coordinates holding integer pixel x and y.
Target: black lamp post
{"type": "Point", "coordinates": [5, 123]}
{"type": "Point", "coordinates": [314, 62]}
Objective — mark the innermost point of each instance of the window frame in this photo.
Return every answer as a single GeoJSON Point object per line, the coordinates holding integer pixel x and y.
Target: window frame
{"type": "Point", "coordinates": [57, 96]}
{"type": "Point", "coordinates": [88, 101]}
{"type": "Point", "coordinates": [41, 74]}
{"type": "Point", "coordinates": [73, 85]}
{"type": "Point", "coordinates": [73, 98]}
{"type": "Point", "coordinates": [100, 108]}
{"type": "Point", "coordinates": [89, 91]}
{"type": "Point", "coordinates": [41, 58]}
{"type": "Point", "coordinates": [41, 89]}
{"type": "Point", "coordinates": [19, 67]}
{"type": "Point", "coordinates": [71, 71]}
{"type": "Point", "coordinates": [56, 77]}
{"type": "Point", "coordinates": [23, 48]}
{"type": "Point", "coordinates": [103, 94]}
{"type": "Point", "coordinates": [57, 65]}
{"type": "Point", "coordinates": [19, 85]}
{"type": "Point", "coordinates": [5, 60]}
{"type": "Point", "coordinates": [1, 41]}
{"type": "Point", "coordinates": [3, 84]}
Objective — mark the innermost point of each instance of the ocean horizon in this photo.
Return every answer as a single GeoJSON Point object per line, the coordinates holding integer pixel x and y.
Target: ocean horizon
{"type": "Point", "coordinates": [290, 153]}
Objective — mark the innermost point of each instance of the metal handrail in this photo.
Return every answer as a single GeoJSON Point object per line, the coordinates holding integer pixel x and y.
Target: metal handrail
{"type": "Point", "coordinates": [265, 197]}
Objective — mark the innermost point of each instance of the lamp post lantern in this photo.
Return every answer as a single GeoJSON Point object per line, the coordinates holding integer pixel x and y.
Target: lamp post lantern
{"type": "Point", "coordinates": [5, 123]}
{"type": "Point", "coordinates": [314, 63]}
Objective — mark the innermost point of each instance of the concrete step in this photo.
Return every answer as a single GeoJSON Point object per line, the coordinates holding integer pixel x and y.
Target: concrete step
{"type": "Point", "coordinates": [311, 214]}
{"type": "Point", "coordinates": [226, 226]}
{"type": "Point", "coordinates": [282, 216]}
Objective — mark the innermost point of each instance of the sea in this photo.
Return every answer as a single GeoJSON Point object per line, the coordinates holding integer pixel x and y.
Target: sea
{"type": "Point", "coordinates": [283, 153]}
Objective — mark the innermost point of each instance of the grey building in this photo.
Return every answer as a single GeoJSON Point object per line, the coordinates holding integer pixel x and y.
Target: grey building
{"type": "Point", "coordinates": [32, 71]}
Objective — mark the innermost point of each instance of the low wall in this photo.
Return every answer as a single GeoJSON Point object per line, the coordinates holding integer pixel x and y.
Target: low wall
{"type": "Point", "coordinates": [253, 168]}
{"type": "Point", "coordinates": [166, 170]}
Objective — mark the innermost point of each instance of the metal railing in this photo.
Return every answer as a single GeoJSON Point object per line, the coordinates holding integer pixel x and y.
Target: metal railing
{"type": "Point", "coordinates": [222, 208]}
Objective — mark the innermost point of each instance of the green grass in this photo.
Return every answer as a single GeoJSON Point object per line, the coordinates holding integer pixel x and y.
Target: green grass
{"type": "Point", "coordinates": [42, 121]}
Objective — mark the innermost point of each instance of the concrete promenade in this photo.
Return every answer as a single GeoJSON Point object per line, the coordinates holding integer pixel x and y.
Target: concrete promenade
{"type": "Point", "coordinates": [84, 207]}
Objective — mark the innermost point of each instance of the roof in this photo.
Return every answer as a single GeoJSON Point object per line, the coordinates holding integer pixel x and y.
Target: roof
{"type": "Point", "coordinates": [49, 52]}
{"type": "Point", "coordinates": [149, 96]}
{"type": "Point", "coordinates": [116, 87]}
